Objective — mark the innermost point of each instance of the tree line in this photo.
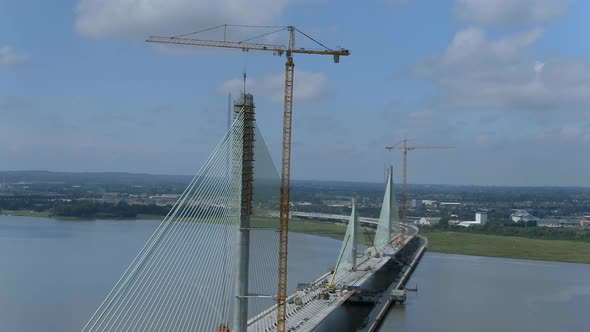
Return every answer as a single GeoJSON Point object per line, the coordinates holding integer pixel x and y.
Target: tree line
{"type": "Point", "coordinates": [85, 208]}
{"type": "Point", "coordinates": [121, 210]}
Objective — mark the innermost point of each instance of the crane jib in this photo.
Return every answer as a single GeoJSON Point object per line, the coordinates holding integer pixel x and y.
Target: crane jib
{"type": "Point", "coordinates": [279, 49]}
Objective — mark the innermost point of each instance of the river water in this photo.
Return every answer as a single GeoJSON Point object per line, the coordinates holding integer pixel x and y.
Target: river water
{"type": "Point", "coordinates": [53, 275]}
{"type": "Point", "coordinates": [469, 293]}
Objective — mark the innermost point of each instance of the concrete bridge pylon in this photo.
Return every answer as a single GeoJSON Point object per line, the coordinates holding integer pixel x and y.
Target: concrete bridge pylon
{"type": "Point", "coordinates": [347, 260]}
{"type": "Point", "coordinates": [389, 214]}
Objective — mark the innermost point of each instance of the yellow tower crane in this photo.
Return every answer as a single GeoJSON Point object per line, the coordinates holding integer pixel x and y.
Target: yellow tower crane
{"type": "Point", "coordinates": [289, 50]}
{"type": "Point", "coordinates": [405, 147]}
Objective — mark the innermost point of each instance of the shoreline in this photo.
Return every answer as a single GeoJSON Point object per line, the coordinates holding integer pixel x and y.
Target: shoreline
{"type": "Point", "coordinates": [34, 214]}
{"type": "Point", "coordinates": [448, 242]}
{"type": "Point", "coordinates": [484, 245]}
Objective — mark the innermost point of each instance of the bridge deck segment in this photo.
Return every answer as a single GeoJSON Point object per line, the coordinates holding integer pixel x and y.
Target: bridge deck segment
{"type": "Point", "coordinates": [314, 307]}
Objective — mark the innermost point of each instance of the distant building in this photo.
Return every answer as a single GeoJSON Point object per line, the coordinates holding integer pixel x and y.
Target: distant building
{"type": "Point", "coordinates": [174, 196]}
{"type": "Point", "coordinates": [454, 220]}
{"type": "Point", "coordinates": [480, 219]}
{"type": "Point", "coordinates": [522, 215]}
{"type": "Point", "coordinates": [428, 202]}
{"type": "Point", "coordinates": [165, 196]}
{"type": "Point", "coordinates": [428, 221]}
{"type": "Point", "coordinates": [164, 199]}
{"type": "Point", "coordinates": [550, 222]}
{"type": "Point", "coordinates": [585, 222]}
{"type": "Point", "coordinates": [339, 205]}
{"type": "Point", "coordinates": [449, 204]}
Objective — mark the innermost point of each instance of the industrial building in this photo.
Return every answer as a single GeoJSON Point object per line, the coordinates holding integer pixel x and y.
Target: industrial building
{"type": "Point", "coordinates": [481, 218]}
{"type": "Point", "coordinates": [428, 221]}
{"type": "Point", "coordinates": [522, 215]}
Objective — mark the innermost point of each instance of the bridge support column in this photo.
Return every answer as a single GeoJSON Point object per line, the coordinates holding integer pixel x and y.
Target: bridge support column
{"type": "Point", "coordinates": [245, 104]}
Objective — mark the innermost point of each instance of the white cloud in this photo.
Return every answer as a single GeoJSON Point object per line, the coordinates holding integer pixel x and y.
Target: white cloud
{"type": "Point", "coordinates": [574, 134]}
{"type": "Point", "coordinates": [10, 56]}
{"type": "Point", "coordinates": [139, 18]}
{"type": "Point", "coordinates": [478, 72]}
{"type": "Point", "coordinates": [236, 85]}
{"type": "Point", "coordinates": [538, 67]}
{"type": "Point", "coordinates": [509, 12]}
{"type": "Point", "coordinates": [421, 118]}
{"type": "Point", "coordinates": [307, 86]}
{"type": "Point", "coordinates": [483, 139]}
{"type": "Point", "coordinates": [471, 44]}
{"type": "Point", "coordinates": [570, 133]}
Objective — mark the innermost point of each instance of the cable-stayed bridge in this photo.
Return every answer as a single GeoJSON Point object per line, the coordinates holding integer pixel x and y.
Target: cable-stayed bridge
{"type": "Point", "coordinates": [212, 264]}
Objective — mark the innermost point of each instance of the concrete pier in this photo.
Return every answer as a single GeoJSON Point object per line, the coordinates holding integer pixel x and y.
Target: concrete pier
{"type": "Point", "coordinates": [381, 308]}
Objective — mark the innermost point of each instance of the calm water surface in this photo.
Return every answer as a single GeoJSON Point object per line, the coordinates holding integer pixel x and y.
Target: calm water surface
{"type": "Point", "coordinates": [467, 293]}
{"type": "Point", "coordinates": [53, 275]}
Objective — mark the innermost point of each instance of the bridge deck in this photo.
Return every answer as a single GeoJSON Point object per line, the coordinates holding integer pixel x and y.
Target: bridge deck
{"type": "Point", "coordinates": [313, 309]}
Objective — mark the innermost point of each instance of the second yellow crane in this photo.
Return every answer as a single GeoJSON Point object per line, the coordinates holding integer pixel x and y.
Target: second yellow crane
{"type": "Point", "coordinates": [405, 147]}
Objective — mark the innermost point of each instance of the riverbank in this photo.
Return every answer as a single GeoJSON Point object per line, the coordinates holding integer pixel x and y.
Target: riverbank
{"type": "Point", "coordinates": [508, 247]}
{"type": "Point", "coordinates": [326, 229]}
{"type": "Point", "coordinates": [47, 214]}
{"type": "Point", "coordinates": [463, 243]}
{"type": "Point", "coordinates": [26, 213]}
{"type": "Point", "coordinates": [320, 228]}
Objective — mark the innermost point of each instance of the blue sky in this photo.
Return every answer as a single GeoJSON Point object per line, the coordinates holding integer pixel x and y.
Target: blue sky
{"type": "Point", "coordinates": [505, 82]}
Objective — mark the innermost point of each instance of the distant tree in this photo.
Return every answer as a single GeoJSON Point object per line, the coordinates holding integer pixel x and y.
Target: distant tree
{"type": "Point", "coordinates": [444, 222]}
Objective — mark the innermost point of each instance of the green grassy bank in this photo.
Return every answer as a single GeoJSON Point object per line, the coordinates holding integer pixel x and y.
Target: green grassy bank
{"type": "Point", "coordinates": [508, 246]}
{"type": "Point", "coordinates": [462, 243]}
{"type": "Point", "coordinates": [320, 228]}
{"type": "Point", "coordinates": [26, 213]}
{"type": "Point", "coordinates": [327, 229]}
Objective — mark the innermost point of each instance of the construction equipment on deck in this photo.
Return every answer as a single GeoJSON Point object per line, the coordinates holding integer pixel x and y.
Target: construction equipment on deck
{"type": "Point", "coordinates": [288, 50]}
{"type": "Point", "coordinates": [405, 147]}
{"type": "Point", "coordinates": [398, 295]}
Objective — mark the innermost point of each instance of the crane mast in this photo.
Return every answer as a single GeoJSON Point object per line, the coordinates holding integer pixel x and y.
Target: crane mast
{"type": "Point", "coordinates": [285, 188]}
{"type": "Point", "coordinates": [405, 193]}
{"type": "Point", "coordinates": [288, 50]}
